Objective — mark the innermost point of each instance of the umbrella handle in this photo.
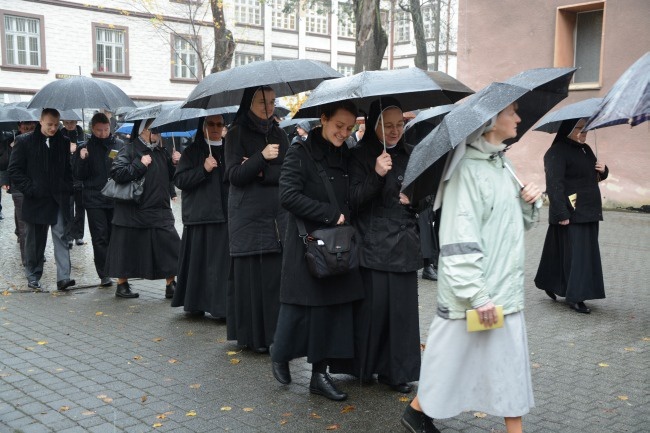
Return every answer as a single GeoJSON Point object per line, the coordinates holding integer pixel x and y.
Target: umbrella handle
{"type": "Point", "coordinates": [538, 202]}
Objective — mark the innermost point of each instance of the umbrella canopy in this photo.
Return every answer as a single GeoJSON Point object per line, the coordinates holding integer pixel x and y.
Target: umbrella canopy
{"type": "Point", "coordinates": [185, 119]}
{"type": "Point", "coordinates": [286, 77]}
{"type": "Point", "coordinates": [80, 92]}
{"type": "Point", "coordinates": [16, 113]}
{"type": "Point", "coordinates": [151, 111]}
{"type": "Point", "coordinates": [412, 87]}
{"type": "Point", "coordinates": [69, 115]}
{"type": "Point", "coordinates": [425, 122]}
{"type": "Point", "coordinates": [576, 111]}
{"type": "Point", "coordinates": [535, 91]}
{"type": "Point", "coordinates": [628, 101]}
{"type": "Point", "coordinates": [125, 128]}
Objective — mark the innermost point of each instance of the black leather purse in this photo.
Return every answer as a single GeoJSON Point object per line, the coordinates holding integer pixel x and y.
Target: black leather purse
{"type": "Point", "coordinates": [329, 251]}
{"type": "Point", "coordinates": [124, 192]}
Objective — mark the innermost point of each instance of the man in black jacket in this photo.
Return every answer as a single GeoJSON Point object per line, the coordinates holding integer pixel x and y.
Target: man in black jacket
{"type": "Point", "coordinates": [75, 230]}
{"type": "Point", "coordinates": [92, 165]}
{"type": "Point", "coordinates": [40, 168]}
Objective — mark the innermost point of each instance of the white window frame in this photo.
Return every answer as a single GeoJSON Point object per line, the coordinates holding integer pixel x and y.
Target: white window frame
{"type": "Point", "coordinates": [346, 27]}
{"type": "Point", "coordinates": [29, 35]}
{"type": "Point", "coordinates": [345, 69]}
{"type": "Point", "coordinates": [402, 27]}
{"type": "Point", "coordinates": [241, 59]}
{"type": "Point", "coordinates": [429, 22]}
{"type": "Point", "coordinates": [185, 57]}
{"type": "Point", "coordinates": [248, 12]}
{"type": "Point", "coordinates": [316, 22]}
{"type": "Point", "coordinates": [104, 46]}
{"type": "Point", "coordinates": [280, 20]}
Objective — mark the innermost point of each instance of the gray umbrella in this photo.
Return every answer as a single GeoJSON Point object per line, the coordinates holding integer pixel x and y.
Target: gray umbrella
{"type": "Point", "coordinates": [151, 111]}
{"type": "Point", "coordinates": [70, 115]}
{"type": "Point", "coordinates": [16, 113]}
{"type": "Point", "coordinates": [628, 101]}
{"type": "Point", "coordinates": [576, 111]}
{"type": "Point", "coordinates": [286, 77]}
{"type": "Point", "coordinates": [187, 119]}
{"type": "Point", "coordinates": [80, 92]}
{"type": "Point", "coordinates": [412, 87]}
{"type": "Point", "coordinates": [425, 122]}
{"type": "Point", "coordinates": [535, 91]}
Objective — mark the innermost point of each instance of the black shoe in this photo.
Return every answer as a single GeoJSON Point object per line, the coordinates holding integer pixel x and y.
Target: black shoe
{"type": "Point", "coordinates": [418, 422]}
{"type": "Point", "coordinates": [64, 284]}
{"type": "Point", "coordinates": [580, 307]}
{"type": "Point", "coordinates": [70, 244]}
{"type": "Point", "coordinates": [195, 314]}
{"type": "Point", "coordinates": [429, 273]}
{"type": "Point", "coordinates": [106, 282]}
{"type": "Point", "coordinates": [261, 350]}
{"type": "Point", "coordinates": [34, 285]}
{"type": "Point", "coordinates": [79, 241]}
{"type": "Point", "coordinates": [124, 291]}
{"type": "Point", "coordinates": [551, 295]}
{"type": "Point", "coordinates": [322, 384]}
{"type": "Point", "coordinates": [404, 388]}
{"type": "Point", "coordinates": [170, 289]}
{"type": "Point", "coordinates": [281, 372]}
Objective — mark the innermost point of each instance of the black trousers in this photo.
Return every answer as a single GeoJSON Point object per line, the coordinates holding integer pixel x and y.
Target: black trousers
{"type": "Point", "coordinates": [99, 224]}
{"type": "Point", "coordinates": [75, 229]}
{"type": "Point", "coordinates": [20, 225]}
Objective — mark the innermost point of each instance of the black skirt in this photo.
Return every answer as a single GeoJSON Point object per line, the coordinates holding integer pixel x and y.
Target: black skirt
{"type": "Point", "coordinates": [387, 327]}
{"type": "Point", "coordinates": [149, 253]}
{"type": "Point", "coordinates": [203, 269]}
{"type": "Point", "coordinates": [570, 265]}
{"type": "Point", "coordinates": [319, 333]}
{"type": "Point", "coordinates": [254, 299]}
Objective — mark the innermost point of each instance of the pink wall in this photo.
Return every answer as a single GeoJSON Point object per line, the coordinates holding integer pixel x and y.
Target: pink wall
{"type": "Point", "coordinates": [500, 38]}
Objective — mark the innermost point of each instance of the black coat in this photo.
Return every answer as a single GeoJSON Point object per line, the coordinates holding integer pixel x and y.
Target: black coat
{"type": "Point", "coordinates": [389, 231]}
{"type": "Point", "coordinates": [303, 194]}
{"type": "Point", "coordinates": [155, 209]}
{"type": "Point", "coordinates": [570, 169]}
{"type": "Point", "coordinates": [204, 194]}
{"type": "Point", "coordinates": [255, 217]}
{"type": "Point", "coordinates": [42, 174]}
{"type": "Point", "coordinates": [94, 171]}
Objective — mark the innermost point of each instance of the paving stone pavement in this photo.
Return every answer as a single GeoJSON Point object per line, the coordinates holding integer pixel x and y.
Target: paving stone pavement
{"type": "Point", "coordinates": [89, 362]}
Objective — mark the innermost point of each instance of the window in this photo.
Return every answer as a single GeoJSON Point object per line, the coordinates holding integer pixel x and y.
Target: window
{"type": "Point", "coordinates": [23, 41]}
{"type": "Point", "coordinates": [280, 20]}
{"type": "Point", "coordinates": [346, 70]}
{"type": "Point", "coordinates": [110, 50]}
{"type": "Point", "coordinates": [317, 22]}
{"type": "Point", "coordinates": [578, 42]}
{"type": "Point", "coordinates": [346, 27]}
{"type": "Point", "coordinates": [429, 21]}
{"type": "Point", "coordinates": [244, 59]}
{"type": "Point", "coordinates": [402, 27]}
{"type": "Point", "coordinates": [185, 58]}
{"type": "Point", "coordinates": [248, 12]}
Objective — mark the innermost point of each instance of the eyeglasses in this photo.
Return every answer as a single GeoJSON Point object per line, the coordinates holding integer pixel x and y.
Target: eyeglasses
{"type": "Point", "coordinates": [218, 125]}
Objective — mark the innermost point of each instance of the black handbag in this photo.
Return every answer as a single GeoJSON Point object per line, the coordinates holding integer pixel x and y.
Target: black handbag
{"type": "Point", "coordinates": [124, 192]}
{"type": "Point", "coordinates": [329, 251]}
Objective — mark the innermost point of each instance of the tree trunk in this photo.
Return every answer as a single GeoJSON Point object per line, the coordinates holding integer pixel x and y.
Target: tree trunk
{"type": "Point", "coordinates": [224, 43]}
{"type": "Point", "coordinates": [371, 37]}
{"type": "Point", "coordinates": [421, 60]}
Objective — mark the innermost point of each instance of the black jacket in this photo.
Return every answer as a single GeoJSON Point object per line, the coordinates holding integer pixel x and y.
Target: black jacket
{"type": "Point", "coordinates": [390, 239]}
{"type": "Point", "coordinates": [303, 194]}
{"type": "Point", "coordinates": [155, 208]}
{"type": "Point", "coordinates": [255, 218]}
{"type": "Point", "coordinates": [94, 171]}
{"type": "Point", "coordinates": [204, 194]}
{"type": "Point", "coordinates": [43, 174]}
{"type": "Point", "coordinates": [570, 169]}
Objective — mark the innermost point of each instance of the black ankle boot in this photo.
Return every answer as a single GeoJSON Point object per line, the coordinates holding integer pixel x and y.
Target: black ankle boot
{"type": "Point", "coordinates": [418, 422]}
{"type": "Point", "coordinates": [170, 289]}
{"type": "Point", "coordinates": [124, 291]}
{"type": "Point", "coordinates": [281, 372]}
{"type": "Point", "coordinates": [322, 384]}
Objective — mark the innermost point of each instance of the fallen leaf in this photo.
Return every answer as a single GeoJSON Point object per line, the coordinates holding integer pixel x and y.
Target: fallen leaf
{"type": "Point", "coordinates": [423, 346]}
{"type": "Point", "coordinates": [235, 361]}
{"type": "Point", "coordinates": [646, 338]}
{"type": "Point", "coordinates": [65, 408]}
{"type": "Point", "coordinates": [623, 397]}
{"type": "Point", "coordinates": [348, 408]}
{"type": "Point", "coordinates": [42, 343]}
{"type": "Point", "coordinates": [59, 369]}
{"type": "Point", "coordinates": [191, 413]}
{"type": "Point", "coordinates": [29, 348]}
{"type": "Point", "coordinates": [287, 414]}
{"type": "Point", "coordinates": [629, 349]}
{"type": "Point", "coordinates": [404, 399]}
{"type": "Point", "coordinates": [156, 425]}
{"type": "Point", "coordinates": [137, 357]}
{"type": "Point", "coordinates": [88, 413]}
{"type": "Point", "coordinates": [226, 408]}
{"type": "Point", "coordinates": [195, 386]}
{"type": "Point", "coordinates": [332, 427]}
{"type": "Point", "coordinates": [189, 333]}
{"type": "Point", "coordinates": [315, 415]}
{"type": "Point", "coordinates": [602, 364]}
{"type": "Point", "coordinates": [480, 414]}
{"type": "Point", "coordinates": [161, 416]}
{"type": "Point", "coordinates": [247, 409]}
{"type": "Point", "coordinates": [6, 293]}
{"type": "Point", "coordinates": [99, 313]}
{"type": "Point", "coordinates": [221, 340]}
{"type": "Point", "coordinates": [157, 339]}
{"type": "Point", "coordinates": [536, 365]}
{"type": "Point", "coordinates": [143, 398]}
{"type": "Point", "coordinates": [172, 361]}
{"type": "Point", "coordinates": [283, 422]}
{"type": "Point", "coordinates": [232, 352]}
{"type": "Point", "coordinates": [107, 400]}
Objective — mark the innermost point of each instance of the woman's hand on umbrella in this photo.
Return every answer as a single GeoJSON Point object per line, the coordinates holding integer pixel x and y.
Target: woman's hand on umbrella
{"type": "Point", "coordinates": [176, 156]}
{"type": "Point", "coordinates": [600, 167]}
{"type": "Point", "coordinates": [383, 164]}
{"type": "Point", "coordinates": [210, 164]}
{"type": "Point", "coordinates": [271, 151]}
{"type": "Point", "coordinates": [83, 153]}
{"type": "Point", "coordinates": [341, 220]}
{"type": "Point", "coordinates": [487, 314]}
{"type": "Point", "coordinates": [146, 160]}
{"type": "Point", "coordinates": [403, 199]}
{"type": "Point", "coordinates": [530, 193]}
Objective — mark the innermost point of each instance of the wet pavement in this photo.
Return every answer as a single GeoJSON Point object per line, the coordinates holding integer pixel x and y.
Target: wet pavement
{"type": "Point", "coordinates": [85, 361]}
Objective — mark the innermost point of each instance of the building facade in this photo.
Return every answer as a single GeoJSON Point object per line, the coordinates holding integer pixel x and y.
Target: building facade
{"type": "Point", "coordinates": [500, 38]}
{"type": "Point", "coordinates": [146, 46]}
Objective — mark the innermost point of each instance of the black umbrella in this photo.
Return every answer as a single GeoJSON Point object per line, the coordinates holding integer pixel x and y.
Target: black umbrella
{"type": "Point", "coordinates": [535, 91]}
{"type": "Point", "coordinates": [187, 119]}
{"type": "Point", "coordinates": [286, 77]}
{"type": "Point", "coordinates": [412, 87]}
{"type": "Point", "coordinates": [289, 124]}
{"type": "Point", "coordinates": [69, 115]}
{"type": "Point", "coordinates": [80, 92]}
{"type": "Point", "coordinates": [579, 110]}
{"type": "Point", "coordinates": [425, 122]}
{"type": "Point", "coordinates": [151, 111]}
{"type": "Point", "coordinates": [628, 101]}
{"type": "Point", "coordinates": [16, 113]}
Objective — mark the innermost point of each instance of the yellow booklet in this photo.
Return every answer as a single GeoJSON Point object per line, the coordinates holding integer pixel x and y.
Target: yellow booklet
{"type": "Point", "coordinates": [573, 198]}
{"type": "Point", "coordinates": [113, 153]}
{"type": "Point", "coordinates": [473, 324]}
